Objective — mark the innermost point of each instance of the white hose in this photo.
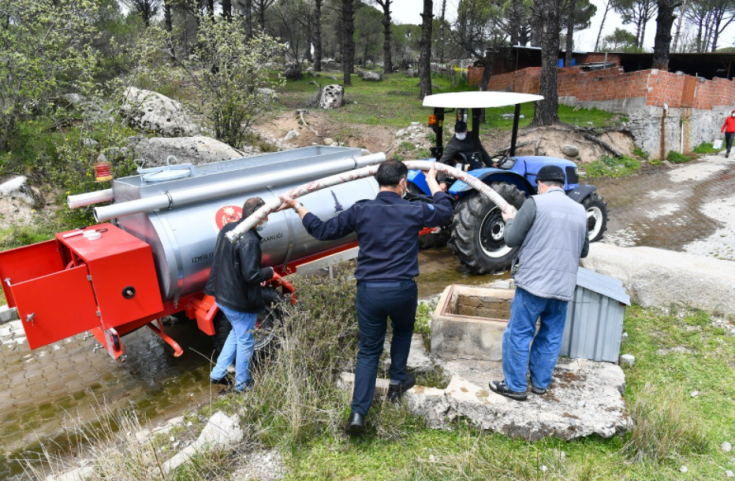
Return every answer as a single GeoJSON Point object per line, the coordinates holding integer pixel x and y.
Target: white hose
{"type": "Point", "coordinates": [351, 175]}
{"type": "Point", "coordinates": [89, 198]}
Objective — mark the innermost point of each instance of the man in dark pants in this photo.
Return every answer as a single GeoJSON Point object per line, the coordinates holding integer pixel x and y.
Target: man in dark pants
{"type": "Point", "coordinates": [462, 142]}
{"type": "Point", "coordinates": [387, 232]}
{"type": "Point", "coordinates": [551, 229]}
{"type": "Point", "coordinates": [235, 282]}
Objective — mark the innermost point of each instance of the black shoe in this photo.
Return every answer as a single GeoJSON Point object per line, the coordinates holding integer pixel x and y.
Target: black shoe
{"type": "Point", "coordinates": [355, 424]}
{"type": "Point", "coordinates": [500, 388]}
{"type": "Point", "coordinates": [224, 381]}
{"type": "Point", "coordinates": [395, 391]}
{"type": "Point", "coordinates": [248, 387]}
{"type": "Point", "coordinates": [538, 390]}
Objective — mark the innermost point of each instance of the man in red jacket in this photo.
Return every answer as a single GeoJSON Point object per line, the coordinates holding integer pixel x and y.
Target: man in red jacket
{"type": "Point", "coordinates": [729, 128]}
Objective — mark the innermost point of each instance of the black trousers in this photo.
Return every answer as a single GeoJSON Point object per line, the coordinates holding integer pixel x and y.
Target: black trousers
{"type": "Point", "coordinates": [375, 304]}
{"type": "Point", "coordinates": [728, 140]}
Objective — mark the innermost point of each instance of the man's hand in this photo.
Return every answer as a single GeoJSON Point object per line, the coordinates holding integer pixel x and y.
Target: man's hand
{"type": "Point", "coordinates": [432, 173]}
{"type": "Point", "coordinates": [509, 213]}
{"type": "Point", "coordinates": [288, 202]}
{"type": "Point", "coordinates": [443, 186]}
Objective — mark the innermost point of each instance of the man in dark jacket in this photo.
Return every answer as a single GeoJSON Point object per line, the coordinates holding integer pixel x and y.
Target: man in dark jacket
{"type": "Point", "coordinates": [462, 142]}
{"type": "Point", "coordinates": [235, 282]}
{"type": "Point", "coordinates": [387, 232]}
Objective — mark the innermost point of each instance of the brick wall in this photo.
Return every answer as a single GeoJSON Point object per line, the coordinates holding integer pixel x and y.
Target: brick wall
{"type": "Point", "coordinates": [655, 86]}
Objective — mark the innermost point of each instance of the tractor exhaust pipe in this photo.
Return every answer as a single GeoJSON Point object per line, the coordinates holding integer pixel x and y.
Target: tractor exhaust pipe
{"type": "Point", "coordinates": [171, 200]}
{"type": "Point", "coordinates": [314, 186]}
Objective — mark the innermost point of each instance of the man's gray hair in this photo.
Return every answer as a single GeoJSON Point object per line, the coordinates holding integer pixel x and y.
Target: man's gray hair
{"type": "Point", "coordinates": [251, 205]}
{"type": "Point", "coordinates": [551, 183]}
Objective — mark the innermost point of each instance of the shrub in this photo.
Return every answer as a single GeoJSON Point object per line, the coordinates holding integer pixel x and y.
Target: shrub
{"type": "Point", "coordinates": [611, 167]}
{"type": "Point", "coordinates": [677, 158]}
{"type": "Point", "coordinates": [640, 153]}
{"type": "Point", "coordinates": [705, 148]}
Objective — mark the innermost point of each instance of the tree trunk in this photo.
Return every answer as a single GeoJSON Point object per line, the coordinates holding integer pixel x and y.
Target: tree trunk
{"type": "Point", "coordinates": [537, 24]}
{"type": "Point", "coordinates": [227, 10]}
{"type": "Point", "coordinates": [317, 35]}
{"type": "Point", "coordinates": [441, 35]}
{"type": "Point", "coordinates": [249, 19]}
{"type": "Point", "coordinates": [348, 40]}
{"type": "Point", "coordinates": [387, 60]}
{"type": "Point", "coordinates": [643, 31]}
{"type": "Point", "coordinates": [425, 55]}
{"type": "Point", "coordinates": [487, 71]}
{"type": "Point", "coordinates": [602, 25]}
{"type": "Point", "coordinates": [261, 14]}
{"type": "Point", "coordinates": [682, 11]}
{"type": "Point", "coordinates": [515, 22]}
{"type": "Point", "coordinates": [546, 111]}
{"type": "Point", "coordinates": [664, 22]}
{"type": "Point", "coordinates": [168, 19]}
{"type": "Point", "coordinates": [716, 32]}
{"type": "Point", "coordinates": [570, 33]}
{"type": "Point", "coordinates": [210, 7]}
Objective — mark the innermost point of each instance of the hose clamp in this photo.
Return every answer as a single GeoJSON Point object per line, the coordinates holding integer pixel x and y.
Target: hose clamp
{"type": "Point", "coordinates": [170, 200]}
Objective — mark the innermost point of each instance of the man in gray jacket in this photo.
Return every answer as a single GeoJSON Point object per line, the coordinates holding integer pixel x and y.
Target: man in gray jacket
{"type": "Point", "coordinates": [552, 231]}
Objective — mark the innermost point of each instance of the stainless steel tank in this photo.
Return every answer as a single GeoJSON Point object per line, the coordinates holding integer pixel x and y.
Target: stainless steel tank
{"type": "Point", "coordinates": [183, 239]}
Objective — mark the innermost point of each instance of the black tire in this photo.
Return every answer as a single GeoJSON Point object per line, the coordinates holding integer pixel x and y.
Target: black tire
{"type": "Point", "coordinates": [596, 209]}
{"type": "Point", "coordinates": [268, 320]}
{"type": "Point", "coordinates": [430, 241]}
{"type": "Point", "coordinates": [477, 231]}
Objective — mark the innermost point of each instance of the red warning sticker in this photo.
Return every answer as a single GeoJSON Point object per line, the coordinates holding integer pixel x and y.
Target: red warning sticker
{"type": "Point", "coordinates": [227, 214]}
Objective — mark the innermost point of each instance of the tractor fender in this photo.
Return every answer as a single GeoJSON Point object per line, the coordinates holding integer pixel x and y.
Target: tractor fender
{"type": "Point", "coordinates": [581, 192]}
{"type": "Point", "coordinates": [492, 174]}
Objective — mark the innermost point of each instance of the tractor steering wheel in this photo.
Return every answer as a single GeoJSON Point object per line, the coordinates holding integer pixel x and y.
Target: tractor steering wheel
{"type": "Point", "coordinates": [499, 159]}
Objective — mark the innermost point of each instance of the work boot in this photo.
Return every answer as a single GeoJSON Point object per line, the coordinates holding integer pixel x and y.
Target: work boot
{"type": "Point", "coordinates": [499, 387]}
{"type": "Point", "coordinates": [395, 391]}
{"type": "Point", "coordinates": [223, 381]}
{"type": "Point", "coordinates": [355, 424]}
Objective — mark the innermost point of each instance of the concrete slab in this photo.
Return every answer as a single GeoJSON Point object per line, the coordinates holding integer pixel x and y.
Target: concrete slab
{"type": "Point", "coordinates": [584, 399]}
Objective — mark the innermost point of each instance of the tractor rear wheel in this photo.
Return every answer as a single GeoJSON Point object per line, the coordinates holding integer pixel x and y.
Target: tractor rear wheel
{"type": "Point", "coordinates": [596, 208]}
{"type": "Point", "coordinates": [268, 320]}
{"type": "Point", "coordinates": [478, 231]}
{"type": "Point", "coordinates": [429, 241]}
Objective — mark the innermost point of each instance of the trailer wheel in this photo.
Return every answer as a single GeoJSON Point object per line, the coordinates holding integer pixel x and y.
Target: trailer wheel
{"type": "Point", "coordinates": [268, 320]}
{"type": "Point", "coordinates": [478, 228]}
{"type": "Point", "coordinates": [596, 208]}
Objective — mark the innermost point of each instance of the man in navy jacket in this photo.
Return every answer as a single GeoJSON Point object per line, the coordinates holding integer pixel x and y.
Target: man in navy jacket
{"type": "Point", "coordinates": [387, 232]}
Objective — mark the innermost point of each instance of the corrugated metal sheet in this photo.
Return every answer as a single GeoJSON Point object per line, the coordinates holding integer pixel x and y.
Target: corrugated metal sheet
{"type": "Point", "coordinates": [594, 326]}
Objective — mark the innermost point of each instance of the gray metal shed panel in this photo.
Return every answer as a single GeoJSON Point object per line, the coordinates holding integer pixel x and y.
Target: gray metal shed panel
{"type": "Point", "coordinates": [594, 327]}
{"type": "Point", "coordinates": [605, 285]}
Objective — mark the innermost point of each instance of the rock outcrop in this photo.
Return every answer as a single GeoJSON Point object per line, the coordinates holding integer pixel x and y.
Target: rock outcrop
{"type": "Point", "coordinates": [18, 200]}
{"type": "Point", "coordinates": [157, 113]}
{"type": "Point", "coordinates": [191, 150]}
{"type": "Point", "coordinates": [332, 97]}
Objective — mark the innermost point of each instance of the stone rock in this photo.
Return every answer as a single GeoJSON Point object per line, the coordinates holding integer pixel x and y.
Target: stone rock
{"type": "Point", "coordinates": [73, 99]}
{"type": "Point", "coordinates": [660, 278]}
{"type": "Point", "coordinates": [221, 432]}
{"type": "Point", "coordinates": [627, 360]}
{"type": "Point", "coordinates": [90, 142]}
{"type": "Point", "coordinates": [192, 150]}
{"type": "Point", "coordinates": [328, 141]}
{"type": "Point", "coordinates": [729, 474]}
{"type": "Point", "coordinates": [157, 113]}
{"type": "Point", "coordinates": [267, 93]}
{"type": "Point", "coordinates": [419, 360]}
{"type": "Point", "coordinates": [18, 189]}
{"type": "Point", "coordinates": [570, 150]}
{"type": "Point", "coordinates": [371, 77]}
{"type": "Point", "coordinates": [292, 134]}
{"type": "Point", "coordinates": [310, 70]}
{"type": "Point", "coordinates": [332, 97]}
{"type": "Point", "coordinates": [261, 466]}
{"type": "Point", "coordinates": [78, 474]}
{"type": "Point", "coordinates": [411, 73]}
{"type": "Point", "coordinates": [727, 447]}
{"type": "Point", "coordinates": [584, 399]}
{"type": "Point", "coordinates": [683, 469]}
{"type": "Point", "coordinates": [293, 71]}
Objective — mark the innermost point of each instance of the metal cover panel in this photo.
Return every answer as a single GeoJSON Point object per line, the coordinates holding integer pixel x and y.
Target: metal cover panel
{"type": "Point", "coordinates": [605, 285]}
{"type": "Point", "coordinates": [29, 262]}
{"type": "Point", "coordinates": [62, 305]}
{"type": "Point", "coordinates": [594, 327]}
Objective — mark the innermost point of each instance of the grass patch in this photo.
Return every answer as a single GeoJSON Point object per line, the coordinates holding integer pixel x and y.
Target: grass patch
{"type": "Point", "coordinates": [395, 101]}
{"type": "Point", "coordinates": [614, 167]}
{"type": "Point", "coordinates": [407, 146]}
{"type": "Point", "coordinates": [677, 158]}
{"type": "Point", "coordinates": [640, 153]}
{"type": "Point", "coordinates": [705, 148]}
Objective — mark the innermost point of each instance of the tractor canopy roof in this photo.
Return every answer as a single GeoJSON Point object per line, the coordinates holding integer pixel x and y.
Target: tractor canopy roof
{"type": "Point", "coordinates": [478, 100]}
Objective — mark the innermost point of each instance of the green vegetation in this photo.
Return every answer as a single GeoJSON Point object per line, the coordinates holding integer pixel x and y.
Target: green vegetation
{"type": "Point", "coordinates": [614, 167]}
{"type": "Point", "coordinates": [677, 158]}
{"type": "Point", "coordinates": [640, 153]}
{"type": "Point", "coordinates": [705, 148]}
{"type": "Point", "coordinates": [407, 146]}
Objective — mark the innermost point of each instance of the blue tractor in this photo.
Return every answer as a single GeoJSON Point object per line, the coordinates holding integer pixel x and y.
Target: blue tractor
{"type": "Point", "coordinates": [476, 231]}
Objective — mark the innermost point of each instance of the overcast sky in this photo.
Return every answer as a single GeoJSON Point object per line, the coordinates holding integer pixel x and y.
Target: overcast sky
{"type": "Point", "coordinates": [409, 11]}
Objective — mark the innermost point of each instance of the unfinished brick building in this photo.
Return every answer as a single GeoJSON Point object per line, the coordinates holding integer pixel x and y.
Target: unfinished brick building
{"type": "Point", "coordinates": [666, 111]}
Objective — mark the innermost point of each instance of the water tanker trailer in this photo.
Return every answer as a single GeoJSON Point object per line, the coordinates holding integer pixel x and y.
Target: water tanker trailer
{"type": "Point", "coordinates": [150, 254]}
